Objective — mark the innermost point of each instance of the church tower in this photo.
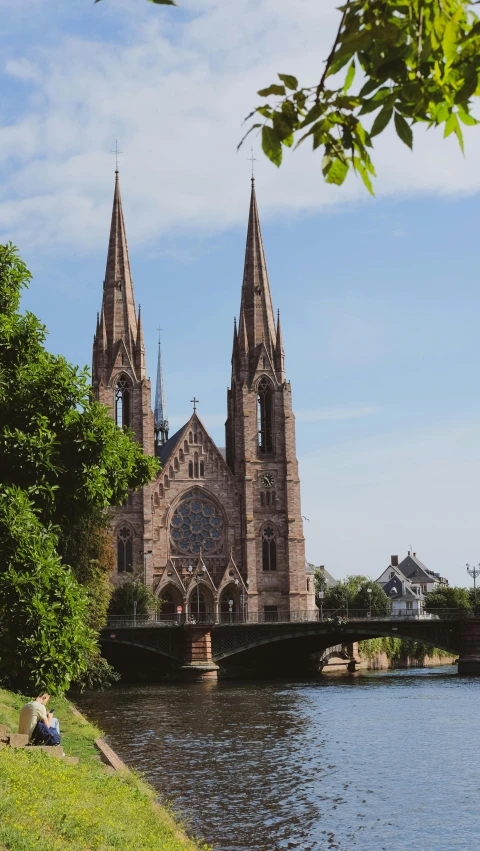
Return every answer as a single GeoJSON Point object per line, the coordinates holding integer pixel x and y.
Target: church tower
{"type": "Point", "coordinates": [120, 382]}
{"type": "Point", "coordinates": [260, 443]}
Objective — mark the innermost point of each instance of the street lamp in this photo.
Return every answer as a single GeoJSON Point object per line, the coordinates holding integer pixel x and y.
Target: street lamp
{"type": "Point", "coordinates": [474, 572]}
{"type": "Point", "coordinates": [321, 595]}
{"type": "Point", "coordinates": [369, 592]}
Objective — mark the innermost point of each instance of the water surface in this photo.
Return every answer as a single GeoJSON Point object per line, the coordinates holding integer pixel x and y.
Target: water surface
{"type": "Point", "coordinates": [371, 761]}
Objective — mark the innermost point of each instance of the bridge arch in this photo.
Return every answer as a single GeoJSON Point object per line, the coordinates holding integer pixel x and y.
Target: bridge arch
{"type": "Point", "coordinates": [316, 637]}
{"type": "Point", "coordinates": [146, 648]}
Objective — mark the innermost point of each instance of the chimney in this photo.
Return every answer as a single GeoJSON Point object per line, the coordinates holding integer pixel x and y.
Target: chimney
{"type": "Point", "coordinates": [414, 555]}
{"type": "Point", "coordinates": [394, 561]}
{"type": "Point", "coordinates": [409, 552]}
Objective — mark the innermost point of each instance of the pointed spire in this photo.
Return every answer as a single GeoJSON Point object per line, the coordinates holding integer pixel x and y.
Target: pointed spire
{"type": "Point", "coordinates": [119, 301]}
{"type": "Point", "coordinates": [256, 298]}
{"type": "Point", "coordinates": [279, 353]}
{"type": "Point", "coordinates": [235, 344]}
{"type": "Point", "coordinates": [161, 421]}
{"type": "Point", "coordinates": [103, 330]}
{"type": "Point", "coordinates": [140, 361]}
{"type": "Point", "coordinates": [242, 335]}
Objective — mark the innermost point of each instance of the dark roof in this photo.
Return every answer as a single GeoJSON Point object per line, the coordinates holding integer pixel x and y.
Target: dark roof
{"type": "Point", "coordinates": [413, 569]}
{"type": "Point", "coordinates": [396, 589]}
{"type": "Point", "coordinates": [331, 582]}
{"type": "Point", "coordinates": [166, 450]}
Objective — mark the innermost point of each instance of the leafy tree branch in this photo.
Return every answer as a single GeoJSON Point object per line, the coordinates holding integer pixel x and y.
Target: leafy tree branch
{"type": "Point", "coordinates": [418, 62]}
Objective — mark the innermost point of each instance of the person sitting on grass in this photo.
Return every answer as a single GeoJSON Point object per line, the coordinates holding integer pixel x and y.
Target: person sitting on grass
{"type": "Point", "coordinates": [38, 724]}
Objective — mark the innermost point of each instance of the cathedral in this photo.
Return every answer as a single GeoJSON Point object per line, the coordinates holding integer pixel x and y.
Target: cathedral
{"type": "Point", "coordinates": [219, 531]}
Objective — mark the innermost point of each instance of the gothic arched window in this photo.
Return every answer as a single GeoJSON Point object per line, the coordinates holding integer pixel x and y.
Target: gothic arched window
{"type": "Point", "coordinates": [264, 417]}
{"type": "Point", "coordinates": [190, 469]}
{"type": "Point", "coordinates": [124, 550]}
{"type": "Point", "coordinates": [195, 465]}
{"type": "Point", "coordinates": [122, 402]}
{"type": "Point", "coordinates": [202, 469]}
{"type": "Point", "coordinates": [269, 549]}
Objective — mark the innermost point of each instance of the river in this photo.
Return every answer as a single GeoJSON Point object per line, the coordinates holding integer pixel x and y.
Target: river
{"type": "Point", "coordinates": [370, 761]}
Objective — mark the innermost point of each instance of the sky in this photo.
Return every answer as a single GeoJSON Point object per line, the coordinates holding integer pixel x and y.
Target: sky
{"type": "Point", "coordinates": [379, 297]}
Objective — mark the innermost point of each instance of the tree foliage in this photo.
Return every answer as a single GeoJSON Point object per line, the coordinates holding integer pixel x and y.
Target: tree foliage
{"type": "Point", "coordinates": [63, 461]}
{"type": "Point", "coordinates": [353, 590]}
{"type": "Point", "coordinates": [128, 594]}
{"type": "Point", "coordinates": [319, 581]}
{"type": "Point", "coordinates": [44, 637]}
{"type": "Point", "coordinates": [416, 61]}
{"type": "Point", "coordinates": [87, 547]}
{"type": "Point", "coordinates": [448, 597]}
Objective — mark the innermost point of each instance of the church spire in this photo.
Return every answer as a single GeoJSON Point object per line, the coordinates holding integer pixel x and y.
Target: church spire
{"type": "Point", "coordinates": [140, 360]}
{"type": "Point", "coordinates": [118, 299]}
{"type": "Point", "coordinates": [161, 421]}
{"type": "Point", "coordinates": [256, 306]}
{"type": "Point", "coordinates": [279, 353]}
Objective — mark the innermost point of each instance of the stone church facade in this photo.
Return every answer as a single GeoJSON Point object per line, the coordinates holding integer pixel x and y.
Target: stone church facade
{"type": "Point", "coordinates": [218, 532]}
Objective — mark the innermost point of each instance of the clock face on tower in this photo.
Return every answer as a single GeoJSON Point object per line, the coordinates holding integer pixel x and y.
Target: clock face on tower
{"type": "Point", "coordinates": [267, 480]}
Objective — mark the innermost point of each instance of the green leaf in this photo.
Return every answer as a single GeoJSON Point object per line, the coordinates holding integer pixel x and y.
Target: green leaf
{"type": "Point", "coordinates": [364, 175]}
{"type": "Point", "coordinates": [450, 38]}
{"type": "Point", "coordinates": [281, 125]}
{"type": "Point", "coordinates": [271, 145]}
{"type": "Point", "coordinates": [338, 63]}
{"type": "Point", "coordinates": [337, 172]}
{"type": "Point", "coordinates": [468, 88]}
{"type": "Point", "coordinates": [350, 75]}
{"type": "Point", "coordinates": [381, 121]}
{"type": "Point", "coordinates": [404, 131]}
{"type": "Point", "coordinates": [274, 89]}
{"type": "Point", "coordinates": [450, 125]}
{"type": "Point", "coordinates": [466, 117]}
{"type": "Point", "coordinates": [253, 127]}
{"type": "Point", "coordinates": [290, 81]}
{"type": "Point", "coordinates": [369, 87]}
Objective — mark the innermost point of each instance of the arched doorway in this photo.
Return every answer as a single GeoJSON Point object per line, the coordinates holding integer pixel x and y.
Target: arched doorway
{"type": "Point", "coordinates": [170, 598]}
{"type": "Point", "coordinates": [200, 604]}
{"type": "Point", "coordinates": [229, 604]}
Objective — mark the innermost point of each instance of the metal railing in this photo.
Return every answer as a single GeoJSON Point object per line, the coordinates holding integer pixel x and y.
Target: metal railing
{"type": "Point", "coordinates": [327, 616]}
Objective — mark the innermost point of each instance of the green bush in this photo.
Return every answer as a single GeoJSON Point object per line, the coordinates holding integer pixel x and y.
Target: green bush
{"type": "Point", "coordinates": [126, 595]}
{"type": "Point", "coordinates": [44, 637]}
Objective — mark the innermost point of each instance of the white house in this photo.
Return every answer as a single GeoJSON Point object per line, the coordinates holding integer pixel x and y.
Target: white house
{"type": "Point", "coordinates": [407, 600]}
{"type": "Point", "coordinates": [414, 572]}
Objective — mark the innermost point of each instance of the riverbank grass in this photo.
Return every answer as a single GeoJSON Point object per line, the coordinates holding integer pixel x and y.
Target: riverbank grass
{"type": "Point", "coordinates": [47, 805]}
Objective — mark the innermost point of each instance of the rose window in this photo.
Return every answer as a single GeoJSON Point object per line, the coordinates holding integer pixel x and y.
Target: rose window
{"type": "Point", "coordinates": [196, 524]}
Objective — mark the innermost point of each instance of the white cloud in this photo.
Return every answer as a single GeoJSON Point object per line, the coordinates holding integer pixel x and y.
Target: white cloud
{"type": "Point", "coordinates": [175, 94]}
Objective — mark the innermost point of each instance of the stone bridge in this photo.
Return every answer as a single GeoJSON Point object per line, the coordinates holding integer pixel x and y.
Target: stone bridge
{"type": "Point", "coordinates": [191, 650]}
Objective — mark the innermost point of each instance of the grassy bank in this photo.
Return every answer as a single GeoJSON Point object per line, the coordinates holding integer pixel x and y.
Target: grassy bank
{"type": "Point", "coordinates": [46, 805]}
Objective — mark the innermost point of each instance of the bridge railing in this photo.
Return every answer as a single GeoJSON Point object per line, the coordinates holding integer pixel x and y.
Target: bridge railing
{"type": "Point", "coordinates": [331, 616]}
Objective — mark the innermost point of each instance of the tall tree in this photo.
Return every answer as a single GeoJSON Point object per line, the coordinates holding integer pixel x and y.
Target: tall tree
{"type": "Point", "coordinates": [63, 461]}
